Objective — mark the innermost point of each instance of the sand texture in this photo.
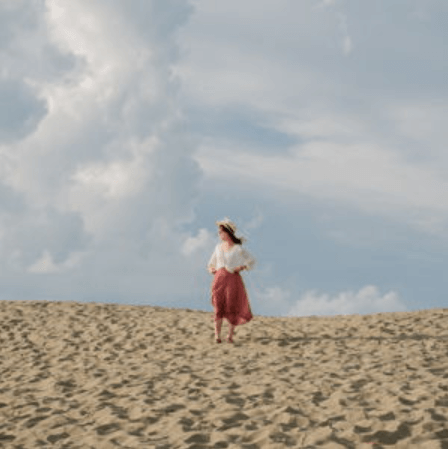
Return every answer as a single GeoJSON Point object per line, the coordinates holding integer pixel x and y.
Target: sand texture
{"type": "Point", "coordinates": [84, 375]}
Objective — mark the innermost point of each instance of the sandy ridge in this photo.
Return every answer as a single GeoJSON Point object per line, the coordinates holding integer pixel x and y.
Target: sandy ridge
{"type": "Point", "coordinates": [84, 375]}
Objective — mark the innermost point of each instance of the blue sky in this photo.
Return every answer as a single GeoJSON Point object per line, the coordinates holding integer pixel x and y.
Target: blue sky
{"type": "Point", "coordinates": [318, 126]}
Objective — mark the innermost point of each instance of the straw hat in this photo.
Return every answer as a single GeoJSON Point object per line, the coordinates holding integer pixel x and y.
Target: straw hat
{"type": "Point", "coordinates": [230, 226]}
{"type": "Point", "coordinates": [227, 224]}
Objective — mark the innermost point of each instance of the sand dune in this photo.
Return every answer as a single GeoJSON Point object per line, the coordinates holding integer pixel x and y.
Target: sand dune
{"type": "Point", "coordinates": [75, 375]}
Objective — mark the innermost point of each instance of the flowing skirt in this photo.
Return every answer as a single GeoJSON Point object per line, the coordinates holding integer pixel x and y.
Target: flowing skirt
{"type": "Point", "coordinates": [229, 298]}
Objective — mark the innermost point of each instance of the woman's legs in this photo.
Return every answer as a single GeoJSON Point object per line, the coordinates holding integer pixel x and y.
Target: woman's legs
{"type": "Point", "coordinates": [218, 324]}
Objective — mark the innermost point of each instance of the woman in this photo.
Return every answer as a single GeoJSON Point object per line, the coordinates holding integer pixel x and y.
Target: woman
{"type": "Point", "coordinates": [229, 297]}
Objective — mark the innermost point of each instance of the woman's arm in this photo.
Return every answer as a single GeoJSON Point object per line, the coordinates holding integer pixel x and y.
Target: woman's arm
{"type": "Point", "coordinates": [249, 260]}
{"type": "Point", "coordinates": [211, 266]}
{"type": "Point", "coordinates": [238, 269]}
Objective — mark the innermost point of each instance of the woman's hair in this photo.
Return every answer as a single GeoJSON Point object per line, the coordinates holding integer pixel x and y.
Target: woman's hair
{"type": "Point", "coordinates": [232, 235]}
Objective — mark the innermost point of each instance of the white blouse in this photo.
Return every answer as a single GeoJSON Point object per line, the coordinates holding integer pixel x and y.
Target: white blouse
{"type": "Point", "coordinates": [237, 256]}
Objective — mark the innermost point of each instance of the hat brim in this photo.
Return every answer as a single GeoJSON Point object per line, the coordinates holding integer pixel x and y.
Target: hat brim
{"type": "Point", "coordinates": [225, 224]}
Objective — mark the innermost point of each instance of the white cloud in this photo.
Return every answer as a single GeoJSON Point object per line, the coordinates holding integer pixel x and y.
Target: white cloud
{"type": "Point", "coordinates": [347, 43]}
{"type": "Point", "coordinates": [321, 125]}
{"type": "Point", "coordinates": [275, 296]}
{"type": "Point", "coordinates": [203, 240]}
{"type": "Point", "coordinates": [423, 122]}
{"type": "Point", "coordinates": [268, 301]}
{"type": "Point", "coordinates": [366, 176]}
{"type": "Point", "coordinates": [27, 231]}
{"type": "Point", "coordinates": [46, 263]}
{"type": "Point", "coordinates": [256, 221]}
{"type": "Point", "coordinates": [104, 176]}
{"type": "Point", "coordinates": [366, 301]}
{"type": "Point", "coordinates": [420, 11]}
{"type": "Point", "coordinates": [117, 179]}
{"type": "Point", "coordinates": [328, 3]}
{"type": "Point", "coordinates": [21, 111]}
{"type": "Point", "coordinates": [264, 62]}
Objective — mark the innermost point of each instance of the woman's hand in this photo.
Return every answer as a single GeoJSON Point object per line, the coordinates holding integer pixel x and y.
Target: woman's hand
{"type": "Point", "coordinates": [212, 270]}
{"type": "Point", "coordinates": [238, 269]}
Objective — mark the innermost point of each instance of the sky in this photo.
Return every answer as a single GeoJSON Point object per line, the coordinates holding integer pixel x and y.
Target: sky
{"type": "Point", "coordinates": [319, 127]}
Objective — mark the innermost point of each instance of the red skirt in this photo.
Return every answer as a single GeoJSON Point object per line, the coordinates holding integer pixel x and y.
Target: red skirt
{"type": "Point", "coordinates": [229, 298]}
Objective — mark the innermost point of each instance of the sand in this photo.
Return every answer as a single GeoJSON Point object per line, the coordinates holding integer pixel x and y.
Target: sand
{"type": "Point", "coordinates": [85, 375]}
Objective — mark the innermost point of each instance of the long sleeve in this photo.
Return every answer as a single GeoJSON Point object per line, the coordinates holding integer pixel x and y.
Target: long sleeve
{"type": "Point", "coordinates": [237, 258]}
{"type": "Point", "coordinates": [248, 259]}
{"type": "Point", "coordinates": [213, 260]}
